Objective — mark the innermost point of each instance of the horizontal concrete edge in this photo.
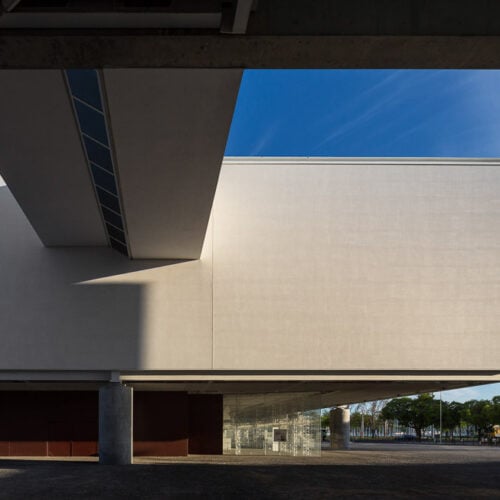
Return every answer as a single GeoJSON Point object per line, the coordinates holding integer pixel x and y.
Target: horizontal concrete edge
{"type": "Point", "coordinates": [50, 50]}
{"type": "Point", "coordinates": [335, 160]}
{"type": "Point", "coordinates": [126, 376]}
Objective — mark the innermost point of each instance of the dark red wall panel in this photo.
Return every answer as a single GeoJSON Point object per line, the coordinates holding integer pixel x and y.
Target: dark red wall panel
{"type": "Point", "coordinates": [205, 424]}
{"type": "Point", "coordinates": [4, 435]}
{"type": "Point", "coordinates": [59, 439]}
{"type": "Point", "coordinates": [160, 423]}
{"type": "Point", "coordinates": [54, 423]}
{"type": "Point", "coordinates": [28, 438]}
{"type": "Point", "coordinates": [84, 442]}
{"type": "Point", "coordinates": [64, 423]}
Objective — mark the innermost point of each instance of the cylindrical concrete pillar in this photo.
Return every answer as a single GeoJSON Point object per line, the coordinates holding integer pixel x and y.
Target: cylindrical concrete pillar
{"type": "Point", "coordinates": [340, 428]}
{"type": "Point", "coordinates": [115, 424]}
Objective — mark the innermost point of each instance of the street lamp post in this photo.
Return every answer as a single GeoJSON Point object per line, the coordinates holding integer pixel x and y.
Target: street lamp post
{"type": "Point", "coordinates": [440, 417]}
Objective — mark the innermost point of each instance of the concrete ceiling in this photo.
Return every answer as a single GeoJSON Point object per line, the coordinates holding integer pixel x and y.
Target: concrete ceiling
{"type": "Point", "coordinates": [266, 34]}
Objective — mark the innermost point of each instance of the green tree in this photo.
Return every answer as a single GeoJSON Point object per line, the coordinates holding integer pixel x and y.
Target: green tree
{"type": "Point", "coordinates": [355, 420]}
{"type": "Point", "coordinates": [418, 413]}
{"type": "Point", "coordinates": [452, 416]}
{"type": "Point", "coordinates": [495, 410]}
{"type": "Point", "coordinates": [398, 409]}
{"type": "Point", "coordinates": [325, 419]}
{"type": "Point", "coordinates": [480, 414]}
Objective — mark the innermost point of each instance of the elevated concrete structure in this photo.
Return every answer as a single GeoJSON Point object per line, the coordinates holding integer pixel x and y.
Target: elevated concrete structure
{"type": "Point", "coordinates": [247, 34]}
{"type": "Point", "coordinates": [345, 279]}
{"type": "Point", "coordinates": [313, 270]}
{"type": "Point", "coordinates": [321, 282]}
{"type": "Point", "coordinates": [168, 130]}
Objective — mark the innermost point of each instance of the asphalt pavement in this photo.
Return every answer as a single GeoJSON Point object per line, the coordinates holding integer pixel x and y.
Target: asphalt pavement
{"type": "Point", "coordinates": [367, 471]}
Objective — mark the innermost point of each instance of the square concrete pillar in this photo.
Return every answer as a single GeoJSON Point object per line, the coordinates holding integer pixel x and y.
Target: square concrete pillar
{"type": "Point", "coordinates": [115, 424]}
{"type": "Point", "coordinates": [340, 428]}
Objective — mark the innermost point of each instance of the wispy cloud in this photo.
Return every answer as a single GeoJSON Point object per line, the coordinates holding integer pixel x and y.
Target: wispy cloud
{"type": "Point", "coordinates": [265, 138]}
{"type": "Point", "coordinates": [478, 392]}
{"type": "Point", "coordinates": [387, 93]}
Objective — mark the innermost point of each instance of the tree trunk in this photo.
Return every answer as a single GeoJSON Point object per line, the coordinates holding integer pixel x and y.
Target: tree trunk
{"type": "Point", "coordinates": [418, 431]}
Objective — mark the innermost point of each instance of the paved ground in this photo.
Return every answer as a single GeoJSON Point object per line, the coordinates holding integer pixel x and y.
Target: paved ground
{"type": "Point", "coordinates": [367, 471]}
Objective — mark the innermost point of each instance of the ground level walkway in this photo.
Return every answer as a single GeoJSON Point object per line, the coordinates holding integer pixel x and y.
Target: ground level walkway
{"type": "Point", "coordinates": [367, 471]}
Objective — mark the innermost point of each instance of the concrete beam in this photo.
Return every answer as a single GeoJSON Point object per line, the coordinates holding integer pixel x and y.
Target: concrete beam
{"type": "Point", "coordinates": [43, 162]}
{"type": "Point", "coordinates": [170, 129]}
{"type": "Point", "coordinates": [243, 51]}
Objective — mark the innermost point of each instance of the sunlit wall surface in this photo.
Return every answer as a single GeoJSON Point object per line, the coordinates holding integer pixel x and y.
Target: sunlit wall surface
{"type": "Point", "coordinates": [272, 424]}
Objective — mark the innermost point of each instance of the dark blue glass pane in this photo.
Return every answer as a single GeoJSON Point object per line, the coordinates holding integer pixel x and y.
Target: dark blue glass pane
{"type": "Point", "coordinates": [108, 200]}
{"type": "Point", "coordinates": [84, 84]}
{"type": "Point", "coordinates": [91, 122]}
{"type": "Point", "coordinates": [104, 179]}
{"type": "Point", "coordinates": [116, 233]}
{"type": "Point", "coordinates": [118, 246]}
{"type": "Point", "coordinates": [98, 154]}
{"type": "Point", "coordinates": [111, 217]}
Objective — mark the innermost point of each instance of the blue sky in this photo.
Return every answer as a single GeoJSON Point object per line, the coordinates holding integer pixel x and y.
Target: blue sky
{"type": "Point", "coordinates": [446, 113]}
{"type": "Point", "coordinates": [370, 113]}
{"type": "Point", "coordinates": [477, 392]}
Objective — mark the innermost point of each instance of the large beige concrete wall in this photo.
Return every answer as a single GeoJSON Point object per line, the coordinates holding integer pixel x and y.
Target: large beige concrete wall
{"type": "Point", "coordinates": [92, 308]}
{"type": "Point", "coordinates": [320, 266]}
{"type": "Point", "coordinates": [306, 266]}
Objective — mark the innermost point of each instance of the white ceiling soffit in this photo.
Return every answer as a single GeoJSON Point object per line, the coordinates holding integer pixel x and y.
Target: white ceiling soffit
{"type": "Point", "coordinates": [42, 159]}
{"type": "Point", "coordinates": [169, 129]}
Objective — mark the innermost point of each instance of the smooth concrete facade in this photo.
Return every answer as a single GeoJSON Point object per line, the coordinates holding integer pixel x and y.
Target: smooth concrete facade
{"type": "Point", "coordinates": [308, 265]}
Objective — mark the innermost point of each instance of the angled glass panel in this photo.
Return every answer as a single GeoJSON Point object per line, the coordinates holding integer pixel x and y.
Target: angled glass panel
{"type": "Point", "coordinates": [120, 247]}
{"type": "Point", "coordinates": [92, 122]}
{"type": "Point", "coordinates": [108, 200]}
{"type": "Point", "coordinates": [104, 179]}
{"type": "Point", "coordinates": [111, 217]}
{"type": "Point", "coordinates": [98, 154]}
{"type": "Point", "coordinates": [116, 233]}
{"type": "Point", "coordinates": [84, 84]}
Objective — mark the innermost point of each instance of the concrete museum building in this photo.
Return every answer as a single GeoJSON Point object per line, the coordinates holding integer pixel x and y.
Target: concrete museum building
{"type": "Point", "coordinates": [155, 303]}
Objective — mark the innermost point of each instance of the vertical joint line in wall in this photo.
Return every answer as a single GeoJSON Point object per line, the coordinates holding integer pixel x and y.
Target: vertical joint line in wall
{"type": "Point", "coordinates": [213, 273]}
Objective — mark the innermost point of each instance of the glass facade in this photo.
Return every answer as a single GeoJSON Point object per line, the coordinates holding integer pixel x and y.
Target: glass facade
{"type": "Point", "coordinates": [272, 424]}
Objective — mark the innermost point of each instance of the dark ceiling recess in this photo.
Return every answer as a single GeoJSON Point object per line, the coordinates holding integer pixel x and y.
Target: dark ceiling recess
{"type": "Point", "coordinates": [112, 14]}
{"type": "Point", "coordinates": [146, 3]}
{"type": "Point", "coordinates": [116, 5]}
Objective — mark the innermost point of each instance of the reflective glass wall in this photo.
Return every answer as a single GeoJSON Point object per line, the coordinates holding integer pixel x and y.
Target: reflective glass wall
{"type": "Point", "coordinates": [272, 424]}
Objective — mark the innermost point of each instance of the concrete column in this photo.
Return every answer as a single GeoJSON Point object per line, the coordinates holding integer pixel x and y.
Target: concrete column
{"type": "Point", "coordinates": [115, 424]}
{"type": "Point", "coordinates": [340, 428]}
